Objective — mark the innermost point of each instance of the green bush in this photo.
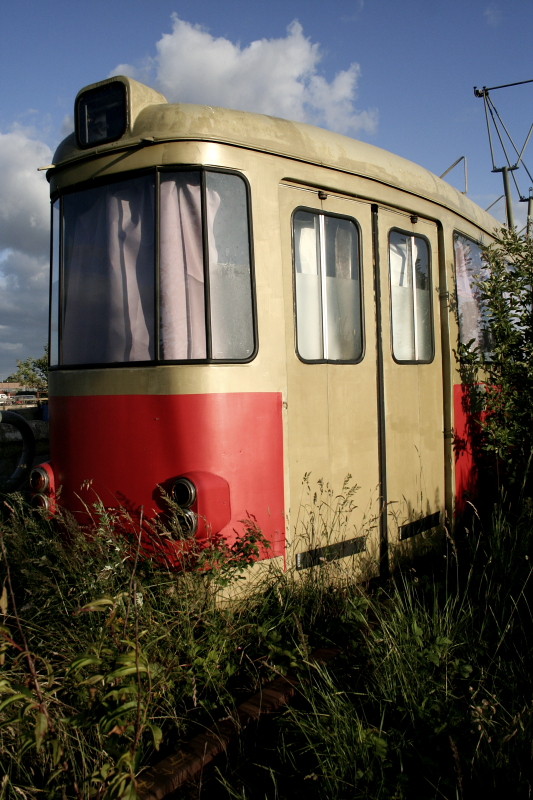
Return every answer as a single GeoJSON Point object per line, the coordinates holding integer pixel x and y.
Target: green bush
{"type": "Point", "coordinates": [109, 662]}
{"type": "Point", "coordinates": [502, 379]}
{"type": "Point", "coordinates": [105, 657]}
{"type": "Point", "coordinates": [429, 696]}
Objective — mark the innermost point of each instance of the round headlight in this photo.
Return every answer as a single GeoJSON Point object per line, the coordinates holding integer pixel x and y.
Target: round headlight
{"type": "Point", "coordinates": [188, 522]}
{"type": "Point", "coordinates": [184, 492]}
{"type": "Point", "coordinates": [39, 480]}
{"type": "Point", "coordinates": [41, 501]}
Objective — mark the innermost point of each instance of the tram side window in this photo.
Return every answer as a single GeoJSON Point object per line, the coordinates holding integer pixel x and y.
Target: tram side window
{"type": "Point", "coordinates": [472, 311]}
{"type": "Point", "coordinates": [411, 312]}
{"type": "Point", "coordinates": [328, 287]}
{"type": "Point", "coordinates": [54, 292]}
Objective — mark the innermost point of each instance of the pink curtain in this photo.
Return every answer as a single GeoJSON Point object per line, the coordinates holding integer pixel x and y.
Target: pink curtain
{"type": "Point", "coordinates": [108, 291]}
{"type": "Point", "coordinates": [109, 283]}
{"type": "Point", "coordinates": [181, 268]}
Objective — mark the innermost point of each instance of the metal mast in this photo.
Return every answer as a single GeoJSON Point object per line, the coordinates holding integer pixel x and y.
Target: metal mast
{"type": "Point", "coordinates": [492, 115]}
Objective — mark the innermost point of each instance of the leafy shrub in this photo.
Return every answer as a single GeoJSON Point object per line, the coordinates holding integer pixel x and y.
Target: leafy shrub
{"type": "Point", "coordinates": [108, 662]}
{"type": "Point", "coordinates": [105, 657]}
{"type": "Point", "coordinates": [501, 381]}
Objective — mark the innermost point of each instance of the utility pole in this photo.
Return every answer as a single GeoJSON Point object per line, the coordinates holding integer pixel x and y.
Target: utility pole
{"type": "Point", "coordinates": [499, 127]}
{"type": "Point", "coordinates": [507, 191]}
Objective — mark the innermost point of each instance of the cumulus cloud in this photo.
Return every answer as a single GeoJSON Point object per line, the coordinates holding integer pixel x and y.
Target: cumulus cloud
{"type": "Point", "coordinates": [24, 236]}
{"type": "Point", "coordinates": [280, 77]}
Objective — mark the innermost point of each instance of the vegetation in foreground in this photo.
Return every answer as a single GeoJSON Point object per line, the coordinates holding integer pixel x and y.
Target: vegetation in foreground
{"type": "Point", "coordinates": [107, 663]}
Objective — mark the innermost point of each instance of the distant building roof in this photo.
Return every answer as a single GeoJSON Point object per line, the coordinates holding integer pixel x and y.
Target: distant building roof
{"type": "Point", "coordinates": [10, 387]}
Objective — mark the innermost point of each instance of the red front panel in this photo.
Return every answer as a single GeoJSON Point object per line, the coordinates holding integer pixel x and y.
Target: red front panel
{"type": "Point", "coordinates": [120, 448]}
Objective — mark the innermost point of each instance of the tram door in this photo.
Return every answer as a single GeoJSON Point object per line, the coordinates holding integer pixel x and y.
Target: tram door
{"type": "Point", "coordinates": [410, 366]}
{"type": "Point", "coordinates": [331, 424]}
{"type": "Point", "coordinates": [364, 376]}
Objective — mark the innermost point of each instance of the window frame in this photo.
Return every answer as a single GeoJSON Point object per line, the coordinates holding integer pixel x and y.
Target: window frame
{"type": "Point", "coordinates": [121, 100]}
{"type": "Point", "coordinates": [323, 273]}
{"type": "Point", "coordinates": [157, 171]}
{"type": "Point", "coordinates": [412, 235]}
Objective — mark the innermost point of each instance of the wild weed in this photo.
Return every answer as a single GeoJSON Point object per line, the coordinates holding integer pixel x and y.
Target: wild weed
{"type": "Point", "coordinates": [104, 655]}
{"type": "Point", "coordinates": [109, 661]}
{"type": "Point", "coordinates": [430, 694]}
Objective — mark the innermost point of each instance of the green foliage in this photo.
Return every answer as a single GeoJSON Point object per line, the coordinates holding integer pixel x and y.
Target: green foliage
{"type": "Point", "coordinates": [506, 392]}
{"type": "Point", "coordinates": [32, 372]}
{"type": "Point", "coordinates": [429, 696]}
{"type": "Point", "coordinates": [106, 657]}
{"type": "Point", "coordinates": [109, 662]}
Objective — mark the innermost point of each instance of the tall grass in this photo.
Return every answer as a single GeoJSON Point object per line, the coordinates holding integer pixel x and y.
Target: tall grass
{"type": "Point", "coordinates": [107, 658]}
{"type": "Point", "coordinates": [430, 696]}
{"type": "Point", "coordinates": [108, 662]}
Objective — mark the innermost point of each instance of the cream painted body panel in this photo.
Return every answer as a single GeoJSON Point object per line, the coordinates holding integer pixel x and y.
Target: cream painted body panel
{"type": "Point", "coordinates": [413, 398]}
{"type": "Point", "coordinates": [158, 128]}
{"type": "Point", "coordinates": [331, 411]}
{"type": "Point", "coordinates": [332, 430]}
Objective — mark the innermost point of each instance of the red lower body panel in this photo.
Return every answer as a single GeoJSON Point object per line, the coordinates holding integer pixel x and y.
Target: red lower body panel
{"type": "Point", "coordinates": [118, 449]}
{"type": "Point", "coordinates": [466, 448]}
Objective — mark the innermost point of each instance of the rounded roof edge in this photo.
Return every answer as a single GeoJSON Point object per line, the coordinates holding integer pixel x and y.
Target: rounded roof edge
{"type": "Point", "coordinates": [298, 141]}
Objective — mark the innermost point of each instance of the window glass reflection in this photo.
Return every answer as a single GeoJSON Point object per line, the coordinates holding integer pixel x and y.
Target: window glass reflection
{"type": "Point", "coordinates": [105, 271]}
{"type": "Point", "coordinates": [411, 313]}
{"type": "Point", "coordinates": [328, 291]}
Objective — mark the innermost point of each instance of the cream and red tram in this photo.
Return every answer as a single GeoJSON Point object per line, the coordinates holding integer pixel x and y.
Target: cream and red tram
{"type": "Point", "coordinates": [238, 302]}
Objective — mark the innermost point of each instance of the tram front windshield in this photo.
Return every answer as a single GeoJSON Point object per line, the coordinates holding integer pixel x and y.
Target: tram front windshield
{"type": "Point", "coordinates": [153, 268]}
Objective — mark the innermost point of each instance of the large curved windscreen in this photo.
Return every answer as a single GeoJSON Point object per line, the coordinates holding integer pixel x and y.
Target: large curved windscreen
{"type": "Point", "coordinates": [147, 269]}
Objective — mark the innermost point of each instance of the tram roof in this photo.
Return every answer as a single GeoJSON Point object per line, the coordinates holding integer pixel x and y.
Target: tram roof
{"type": "Point", "coordinates": [156, 121]}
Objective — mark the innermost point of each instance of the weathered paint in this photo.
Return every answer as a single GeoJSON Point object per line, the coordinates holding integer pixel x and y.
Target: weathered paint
{"type": "Point", "coordinates": [330, 411]}
{"type": "Point", "coordinates": [120, 449]}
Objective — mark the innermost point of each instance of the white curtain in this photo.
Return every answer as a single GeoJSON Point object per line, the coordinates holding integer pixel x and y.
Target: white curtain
{"type": "Point", "coordinates": [472, 312]}
{"type": "Point", "coordinates": [308, 291]}
{"type": "Point", "coordinates": [412, 336]}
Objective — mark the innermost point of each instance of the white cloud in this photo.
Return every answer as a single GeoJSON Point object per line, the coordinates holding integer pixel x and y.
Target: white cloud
{"type": "Point", "coordinates": [493, 15]}
{"type": "Point", "coordinates": [24, 237]}
{"type": "Point", "coordinates": [355, 10]}
{"type": "Point", "coordinates": [278, 76]}
{"type": "Point", "coordinates": [24, 205]}
{"type": "Point", "coordinates": [272, 76]}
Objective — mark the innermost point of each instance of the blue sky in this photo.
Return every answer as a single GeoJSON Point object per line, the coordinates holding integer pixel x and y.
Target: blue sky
{"type": "Point", "coordinates": [399, 75]}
